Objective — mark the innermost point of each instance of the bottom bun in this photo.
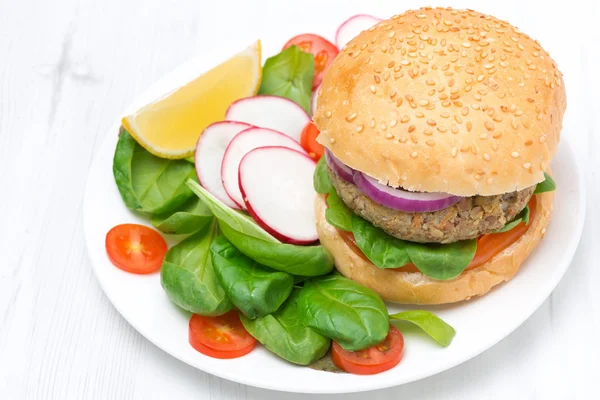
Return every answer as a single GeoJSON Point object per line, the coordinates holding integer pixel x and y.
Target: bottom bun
{"type": "Point", "coordinates": [416, 288]}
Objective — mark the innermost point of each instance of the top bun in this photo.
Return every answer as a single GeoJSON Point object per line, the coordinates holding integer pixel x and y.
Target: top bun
{"type": "Point", "coordinates": [443, 100]}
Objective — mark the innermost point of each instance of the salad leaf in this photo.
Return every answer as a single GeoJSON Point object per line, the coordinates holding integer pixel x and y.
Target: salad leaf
{"type": "Point", "coordinates": [252, 289]}
{"type": "Point", "coordinates": [321, 178]}
{"type": "Point", "coordinates": [283, 333]}
{"type": "Point", "coordinates": [342, 310]}
{"type": "Point", "coordinates": [442, 261]}
{"type": "Point", "coordinates": [338, 214]}
{"type": "Point", "coordinates": [148, 183]}
{"type": "Point", "coordinates": [295, 260]}
{"type": "Point", "coordinates": [188, 278]}
{"type": "Point", "coordinates": [433, 325]}
{"type": "Point", "coordinates": [523, 216]}
{"type": "Point", "coordinates": [263, 248]}
{"type": "Point", "coordinates": [289, 74]}
{"type": "Point", "coordinates": [192, 216]}
{"type": "Point", "coordinates": [548, 185]}
{"type": "Point", "coordinates": [385, 251]}
{"type": "Point", "coordinates": [190, 159]}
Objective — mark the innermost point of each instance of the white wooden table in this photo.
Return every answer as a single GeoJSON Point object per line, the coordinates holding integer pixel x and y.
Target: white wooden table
{"type": "Point", "coordinates": [68, 68]}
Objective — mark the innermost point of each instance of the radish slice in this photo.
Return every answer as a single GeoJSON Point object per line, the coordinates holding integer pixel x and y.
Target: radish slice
{"type": "Point", "coordinates": [241, 145]}
{"type": "Point", "coordinates": [352, 27]}
{"type": "Point", "coordinates": [340, 169]}
{"type": "Point", "coordinates": [313, 102]}
{"type": "Point", "coordinates": [278, 192]}
{"type": "Point", "coordinates": [402, 200]}
{"type": "Point", "coordinates": [209, 156]}
{"type": "Point", "coordinates": [271, 112]}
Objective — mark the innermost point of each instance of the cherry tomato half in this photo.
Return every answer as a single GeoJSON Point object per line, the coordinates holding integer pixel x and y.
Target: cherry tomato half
{"type": "Point", "coordinates": [220, 337]}
{"type": "Point", "coordinates": [322, 49]}
{"type": "Point", "coordinates": [373, 360]}
{"type": "Point", "coordinates": [135, 248]}
{"type": "Point", "coordinates": [308, 140]}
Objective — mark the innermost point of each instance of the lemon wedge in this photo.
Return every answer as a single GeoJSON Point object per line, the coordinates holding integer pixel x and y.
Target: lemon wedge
{"type": "Point", "coordinates": [170, 126]}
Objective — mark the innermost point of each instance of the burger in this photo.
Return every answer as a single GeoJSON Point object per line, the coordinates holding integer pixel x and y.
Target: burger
{"type": "Point", "coordinates": [439, 126]}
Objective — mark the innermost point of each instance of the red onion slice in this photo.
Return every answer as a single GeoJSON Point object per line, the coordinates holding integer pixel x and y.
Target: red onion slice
{"type": "Point", "coordinates": [402, 200]}
{"type": "Point", "coordinates": [340, 169]}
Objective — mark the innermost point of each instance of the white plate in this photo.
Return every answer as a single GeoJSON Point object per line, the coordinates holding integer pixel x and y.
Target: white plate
{"type": "Point", "coordinates": [479, 323]}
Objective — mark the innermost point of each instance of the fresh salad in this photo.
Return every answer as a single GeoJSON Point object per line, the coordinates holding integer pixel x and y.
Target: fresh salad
{"type": "Point", "coordinates": [229, 163]}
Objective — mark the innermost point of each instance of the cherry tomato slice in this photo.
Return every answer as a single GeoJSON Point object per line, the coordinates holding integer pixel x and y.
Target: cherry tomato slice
{"type": "Point", "coordinates": [373, 360]}
{"type": "Point", "coordinates": [322, 49]}
{"type": "Point", "coordinates": [220, 337]}
{"type": "Point", "coordinates": [308, 140]}
{"type": "Point", "coordinates": [135, 248]}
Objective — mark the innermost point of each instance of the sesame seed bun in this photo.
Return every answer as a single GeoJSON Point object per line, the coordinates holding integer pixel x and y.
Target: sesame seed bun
{"type": "Point", "coordinates": [443, 100]}
{"type": "Point", "coordinates": [416, 288]}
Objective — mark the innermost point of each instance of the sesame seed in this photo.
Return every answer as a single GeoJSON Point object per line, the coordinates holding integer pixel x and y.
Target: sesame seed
{"type": "Point", "coordinates": [489, 180]}
{"type": "Point", "coordinates": [480, 78]}
{"type": "Point", "coordinates": [514, 154]}
{"type": "Point", "coordinates": [351, 117]}
{"type": "Point", "coordinates": [427, 132]}
{"type": "Point", "coordinates": [446, 104]}
{"type": "Point", "coordinates": [328, 114]}
{"type": "Point", "coordinates": [518, 113]}
{"type": "Point", "coordinates": [413, 154]}
{"type": "Point", "coordinates": [469, 126]}
{"type": "Point", "coordinates": [497, 135]}
{"type": "Point", "coordinates": [405, 119]}
{"type": "Point", "coordinates": [376, 78]}
{"type": "Point", "coordinates": [393, 123]}
{"type": "Point", "coordinates": [399, 102]}
{"type": "Point", "coordinates": [430, 143]}
{"type": "Point", "coordinates": [409, 97]}
{"type": "Point", "coordinates": [483, 136]}
{"type": "Point", "coordinates": [542, 139]}
{"type": "Point", "coordinates": [411, 128]}
{"type": "Point", "coordinates": [454, 152]}
{"type": "Point", "coordinates": [332, 140]}
{"type": "Point", "coordinates": [431, 122]}
{"type": "Point", "coordinates": [475, 106]}
{"type": "Point", "coordinates": [465, 111]}
{"type": "Point", "coordinates": [466, 44]}
{"type": "Point", "coordinates": [454, 129]}
{"type": "Point", "coordinates": [441, 88]}
{"type": "Point", "coordinates": [372, 122]}
{"type": "Point", "coordinates": [489, 125]}
{"type": "Point", "coordinates": [383, 126]}
{"type": "Point", "coordinates": [389, 136]}
{"type": "Point", "coordinates": [419, 115]}
{"type": "Point", "coordinates": [442, 129]}
{"type": "Point", "coordinates": [373, 89]}
{"type": "Point", "coordinates": [423, 103]}
{"type": "Point", "coordinates": [430, 82]}
{"type": "Point", "coordinates": [527, 165]}
{"type": "Point", "coordinates": [403, 139]}
{"type": "Point", "coordinates": [360, 128]}
{"type": "Point", "coordinates": [486, 156]}
{"type": "Point", "coordinates": [445, 115]}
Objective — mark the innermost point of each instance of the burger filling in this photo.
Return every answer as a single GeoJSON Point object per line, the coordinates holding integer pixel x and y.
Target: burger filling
{"type": "Point", "coordinates": [469, 218]}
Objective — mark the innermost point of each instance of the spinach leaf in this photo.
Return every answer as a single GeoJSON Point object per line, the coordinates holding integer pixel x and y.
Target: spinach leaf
{"type": "Point", "coordinates": [442, 261]}
{"type": "Point", "coordinates": [148, 183]}
{"type": "Point", "coordinates": [385, 251]}
{"type": "Point", "coordinates": [342, 310]}
{"type": "Point", "coordinates": [225, 214]}
{"type": "Point", "coordinates": [188, 278]}
{"type": "Point", "coordinates": [433, 325]}
{"type": "Point", "coordinates": [548, 185]}
{"type": "Point", "coordinates": [295, 260]}
{"type": "Point", "coordinates": [192, 216]}
{"type": "Point", "coordinates": [283, 333]}
{"type": "Point", "coordinates": [190, 159]}
{"type": "Point", "coordinates": [289, 74]}
{"type": "Point", "coordinates": [523, 216]}
{"type": "Point", "coordinates": [321, 178]}
{"type": "Point", "coordinates": [338, 214]}
{"type": "Point", "coordinates": [252, 289]}
{"type": "Point", "coordinates": [263, 248]}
